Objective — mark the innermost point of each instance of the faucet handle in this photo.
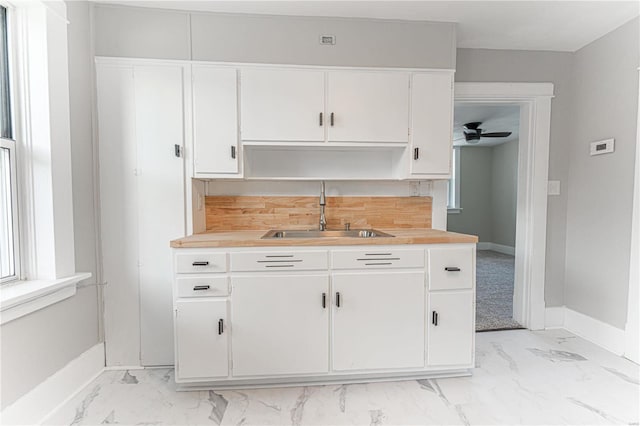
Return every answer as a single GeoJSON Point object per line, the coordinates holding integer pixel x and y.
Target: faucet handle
{"type": "Point", "coordinates": [347, 226]}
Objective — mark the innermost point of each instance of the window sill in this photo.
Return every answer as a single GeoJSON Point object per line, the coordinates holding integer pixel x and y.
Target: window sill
{"type": "Point", "coordinates": [454, 210]}
{"type": "Point", "coordinates": [24, 297]}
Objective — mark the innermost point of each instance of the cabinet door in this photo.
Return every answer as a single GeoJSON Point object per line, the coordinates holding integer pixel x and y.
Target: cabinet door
{"type": "Point", "coordinates": [202, 339]}
{"type": "Point", "coordinates": [215, 119]}
{"type": "Point", "coordinates": [451, 328]}
{"type": "Point", "coordinates": [160, 202]}
{"type": "Point", "coordinates": [282, 105]}
{"type": "Point", "coordinates": [379, 323]}
{"type": "Point", "coordinates": [431, 123]}
{"type": "Point", "coordinates": [280, 325]}
{"type": "Point", "coordinates": [368, 106]}
{"type": "Point", "coordinates": [118, 213]}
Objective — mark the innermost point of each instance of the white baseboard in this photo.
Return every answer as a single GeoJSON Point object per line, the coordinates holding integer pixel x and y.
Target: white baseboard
{"type": "Point", "coordinates": [497, 247]}
{"type": "Point", "coordinates": [591, 329]}
{"type": "Point", "coordinates": [39, 403]}
{"type": "Point", "coordinates": [554, 317]}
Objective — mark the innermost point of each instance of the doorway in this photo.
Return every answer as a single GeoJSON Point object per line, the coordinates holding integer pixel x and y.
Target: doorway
{"type": "Point", "coordinates": [482, 202]}
{"type": "Point", "coordinates": [534, 100]}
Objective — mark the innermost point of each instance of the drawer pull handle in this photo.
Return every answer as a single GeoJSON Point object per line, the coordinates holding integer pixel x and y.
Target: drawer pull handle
{"type": "Point", "coordinates": [276, 261]}
{"type": "Point", "coordinates": [338, 299]}
{"type": "Point", "coordinates": [452, 269]}
{"type": "Point", "coordinates": [201, 287]}
{"type": "Point", "coordinates": [324, 300]}
{"type": "Point", "coordinates": [220, 326]}
{"type": "Point", "coordinates": [382, 258]}
{"type": "Point", "coordinates": [377, 254]}
{"type": "Point", "coordinates": [379, 263]}
{"type": "Point", "coordinates": [434, 318]}
{"type": "Point", "coordinates": [279, 266]}
{"type": "Point", "coordinates": [206, 263]}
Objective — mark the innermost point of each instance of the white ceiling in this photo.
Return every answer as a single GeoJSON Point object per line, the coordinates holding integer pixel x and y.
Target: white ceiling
{"type": "Point", "coordinates": [516, 24]}
{"type": "Point", "coordinates": [494, 118]}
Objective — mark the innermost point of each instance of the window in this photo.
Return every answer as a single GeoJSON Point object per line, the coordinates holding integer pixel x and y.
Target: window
{"type": "Point", "coordinates": [453, 204]}
{"type": "Point", "coordinates": [8, 196]}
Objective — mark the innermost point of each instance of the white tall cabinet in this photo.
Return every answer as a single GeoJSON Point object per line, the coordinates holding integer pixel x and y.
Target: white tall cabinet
{"type": "Point", "coordinates": [142, 198]}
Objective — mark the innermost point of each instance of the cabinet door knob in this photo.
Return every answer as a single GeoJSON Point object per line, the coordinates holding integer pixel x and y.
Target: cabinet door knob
{"type": "Point", "coordinates": [324, 300]}
{"type": "Point", "coordinates": [331, 119]}
{"type": "Point", "coordinates": [338, 299]}
{"type": "Point", "coordinates": [452, 269]}
{"type": "Point", "coordinates": [320, 121]}
{"type": "Point", "coordinates": [434, 318]}
{"type": "Point", "coordinates": [416, 153]}
{"type": "Point", "coordinates": [220, 326]}
{"type": "Point", "coordinates": [233, 151]}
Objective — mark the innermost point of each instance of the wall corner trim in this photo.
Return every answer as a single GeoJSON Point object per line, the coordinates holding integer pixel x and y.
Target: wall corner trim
{"type": "Point", "coordinates": [43, 400]}
{"type": "Point", "coordinates": [589, 328]}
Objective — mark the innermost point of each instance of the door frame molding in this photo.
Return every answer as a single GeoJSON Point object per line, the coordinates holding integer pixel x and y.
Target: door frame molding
{"type": "Point", "coordinates": [534, 100]}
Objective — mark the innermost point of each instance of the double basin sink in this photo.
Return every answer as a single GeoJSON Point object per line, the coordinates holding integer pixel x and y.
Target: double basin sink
{"type": "Point", "coordinates": [314, 233]}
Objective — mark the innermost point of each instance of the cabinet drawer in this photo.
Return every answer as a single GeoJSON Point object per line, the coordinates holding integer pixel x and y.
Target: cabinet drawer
{"type": "Point", "coordinates": [205, 286]}
{"type": "Point", "coordinates": [451, 268]}
{"type": "Point", "coordinates": [375, 258]}
{"type": "Point", "coordinates": [279, 261]}
{"type": "Point", "coordinates": [197, 263]}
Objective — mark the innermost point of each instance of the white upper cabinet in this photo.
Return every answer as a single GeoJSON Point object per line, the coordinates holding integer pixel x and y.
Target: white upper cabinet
{"type": "Point", "coordinates": [366, 106]}
{"type": "Point", "coordinates": [215, 119]}
{"type": "Point", "coordinates": [282, 105]}
{"type": "Point", "coordinates": [431, 124]}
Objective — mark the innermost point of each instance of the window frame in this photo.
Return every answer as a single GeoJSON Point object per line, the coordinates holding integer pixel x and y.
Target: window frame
{"type": "Point", "coordinates": [11, 144]}
{"type": "Point", "coordinates": [453, 185]}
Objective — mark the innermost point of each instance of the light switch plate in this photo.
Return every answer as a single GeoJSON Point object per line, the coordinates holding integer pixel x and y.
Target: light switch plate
{"type": "Point", "coordinates": [601, 147]}
{"type": "Point", "coordinates": [553, 187]}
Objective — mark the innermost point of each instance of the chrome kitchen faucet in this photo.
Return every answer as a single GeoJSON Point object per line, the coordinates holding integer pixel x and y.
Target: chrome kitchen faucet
{"type": "Point", "coordinates": [323, 203]}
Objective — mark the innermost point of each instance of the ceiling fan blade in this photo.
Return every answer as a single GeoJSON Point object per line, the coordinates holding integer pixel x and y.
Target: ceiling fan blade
{"type": "Point", "coordinates": [496, 135]}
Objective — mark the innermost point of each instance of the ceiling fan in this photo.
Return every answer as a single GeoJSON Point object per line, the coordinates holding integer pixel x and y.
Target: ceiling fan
{"type": "Point", "coordinates": [472, 133]}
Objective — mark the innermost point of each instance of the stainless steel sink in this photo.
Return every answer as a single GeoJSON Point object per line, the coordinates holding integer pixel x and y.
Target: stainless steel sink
{"type": "Point", "coordinates": [314, 233]}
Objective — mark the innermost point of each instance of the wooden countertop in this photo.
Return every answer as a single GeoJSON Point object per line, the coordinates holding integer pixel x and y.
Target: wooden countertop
{"type": "Point", "coordinates": [253, 239]}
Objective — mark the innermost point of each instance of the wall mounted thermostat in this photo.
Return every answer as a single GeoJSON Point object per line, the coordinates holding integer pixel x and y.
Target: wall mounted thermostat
{"type": "Point", "coordinates": [602, 147]}
{"type": "Point", "coordinates": [327, 39]}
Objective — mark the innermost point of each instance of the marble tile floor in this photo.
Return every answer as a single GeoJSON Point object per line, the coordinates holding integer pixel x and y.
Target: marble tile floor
{"type": "Point", "coordinates": [522, 377]}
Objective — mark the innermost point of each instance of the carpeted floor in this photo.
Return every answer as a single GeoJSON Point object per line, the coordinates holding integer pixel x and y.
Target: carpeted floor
{"type": "Point", "coordinates": [494, 291]}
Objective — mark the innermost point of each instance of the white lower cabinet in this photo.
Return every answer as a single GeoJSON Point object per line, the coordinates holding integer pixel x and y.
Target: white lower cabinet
{"type": "Point", "coordinates": [378, 320]}
{"type": "Point", "coordinates": [451, 328]}
{"type": "Point", "coordinates": [316, 314]}
{"type": "Point", "coordinates": [280, 324]}
{"type": "Point", "coordinates": [202, 339]}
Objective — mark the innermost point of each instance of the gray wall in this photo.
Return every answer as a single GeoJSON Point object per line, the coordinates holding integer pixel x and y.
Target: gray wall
{"type": "Point", "coordinates": [488, 188]}
{"type": "Point", "coordinates": [152, 33]}
{"type": "Point", "coordinates": [504, 189]}
{"type": "Point", "coordinates": [37, 345]}
{"type": "Point", "coordinates": [600, 192]}
{"type": "Point", "coordinates": [475, 194]}
{"type": "Point", "coordinates": [484, 65]}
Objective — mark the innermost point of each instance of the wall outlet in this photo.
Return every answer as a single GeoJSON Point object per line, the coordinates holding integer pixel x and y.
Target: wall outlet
{"type": "Point", "coordinates": [553, 187]}
{"type": "Point", "coordinates": [415, 189]}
